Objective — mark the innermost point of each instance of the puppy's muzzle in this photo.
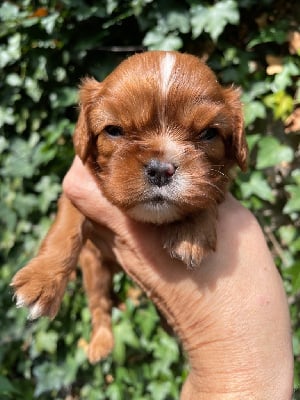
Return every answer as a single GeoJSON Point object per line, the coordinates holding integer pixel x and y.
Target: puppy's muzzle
{"type": "Point", "coordinates": [159, 173]}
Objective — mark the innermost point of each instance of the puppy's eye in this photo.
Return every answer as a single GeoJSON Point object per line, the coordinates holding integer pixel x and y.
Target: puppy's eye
{"type": "Point", "coordinates": [208, 134]}
{"type": "Point", "coordinates": [114, 130]}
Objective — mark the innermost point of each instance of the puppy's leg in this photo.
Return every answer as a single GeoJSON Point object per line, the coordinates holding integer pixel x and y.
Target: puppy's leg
{"type": "Point", "coordinates": [40, 285]}
{"type": "Point", "coordinates": [97, 277]}
{"type": "Point", "coordinates": [192, 239]}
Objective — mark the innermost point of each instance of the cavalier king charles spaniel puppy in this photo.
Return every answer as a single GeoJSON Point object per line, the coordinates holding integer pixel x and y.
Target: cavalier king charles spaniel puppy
{"type": "Point", "coordinates": [160, 135]}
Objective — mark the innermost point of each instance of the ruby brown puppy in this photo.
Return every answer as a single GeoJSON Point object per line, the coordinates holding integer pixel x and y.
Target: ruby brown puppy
{"type": "Point", "coordinates": [160, 135]}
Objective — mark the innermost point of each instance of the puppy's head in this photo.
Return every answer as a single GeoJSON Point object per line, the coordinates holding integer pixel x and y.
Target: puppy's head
{"type": "Point", "coordinates": [161, 135]}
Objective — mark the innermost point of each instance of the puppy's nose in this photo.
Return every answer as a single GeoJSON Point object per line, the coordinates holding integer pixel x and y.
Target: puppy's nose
{"type": "Point", "coordinates": [160, 173]}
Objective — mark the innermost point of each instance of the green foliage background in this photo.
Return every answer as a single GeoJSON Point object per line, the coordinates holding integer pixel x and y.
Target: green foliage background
{"type": "Point", "coordinates": [45, 48]}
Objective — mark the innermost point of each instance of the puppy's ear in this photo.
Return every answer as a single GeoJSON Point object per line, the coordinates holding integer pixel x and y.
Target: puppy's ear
{"type": "Point", "coordinates": [239, 150]}
{"type": "Point", "coordinates": [88, 92]}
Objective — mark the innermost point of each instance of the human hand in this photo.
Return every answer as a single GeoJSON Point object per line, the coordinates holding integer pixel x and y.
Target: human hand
{"type": "Point", "coordinates": [230, 314]}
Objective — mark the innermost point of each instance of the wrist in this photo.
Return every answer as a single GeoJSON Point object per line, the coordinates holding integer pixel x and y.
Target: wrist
{"type": "Point", "coordinates": [215, 376]}
{"type": "Point", "coordinates": [229, 387]}
{"type": "Point", "coordinates": [196, 388]}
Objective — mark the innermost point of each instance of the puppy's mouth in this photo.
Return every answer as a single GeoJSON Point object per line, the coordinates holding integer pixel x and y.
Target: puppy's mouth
{"type": "Point", "coordinates": [157, 209]}
{"type": "Point", "coordinates": [158, 199]}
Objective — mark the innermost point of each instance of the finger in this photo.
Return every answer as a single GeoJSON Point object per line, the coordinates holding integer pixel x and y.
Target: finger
{"type": "Point", "coordinates": [82, 189]}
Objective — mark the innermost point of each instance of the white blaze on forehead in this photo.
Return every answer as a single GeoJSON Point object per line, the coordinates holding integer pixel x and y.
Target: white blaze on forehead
{"type": "Point", "coordinates": [166, 67]}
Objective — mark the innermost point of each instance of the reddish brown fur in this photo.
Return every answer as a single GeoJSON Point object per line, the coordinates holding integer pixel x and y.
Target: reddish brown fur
{"type": "Point", "coordinates": [163, 102]}
{"type": "Point", "coordinates": [97, 278]}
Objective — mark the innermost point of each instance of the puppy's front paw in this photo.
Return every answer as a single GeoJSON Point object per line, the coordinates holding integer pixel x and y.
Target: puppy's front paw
{"type": "Point", "coordinates": [190, 254]}
{"type": "Point", "coordinates": [38, 288]}
{"type": "Point", "coordinates": [101, 344]}
{"type": "Point", "coordinates": [191, 240]}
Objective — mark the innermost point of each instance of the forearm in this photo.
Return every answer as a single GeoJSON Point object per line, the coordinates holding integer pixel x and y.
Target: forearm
{"type": "Point", "coordinates": [242, 377]}
{"type": "Point", "coordinates": [241, 348]}
{"type": "Point", "coordinates": [244, 385]}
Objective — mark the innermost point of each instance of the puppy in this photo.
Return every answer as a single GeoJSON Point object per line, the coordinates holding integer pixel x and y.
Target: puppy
{"type": "Point", "coordinates": [160, 135]}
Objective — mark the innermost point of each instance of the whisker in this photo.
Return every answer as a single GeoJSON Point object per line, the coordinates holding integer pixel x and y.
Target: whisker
{"type": "Point", "coordinates": [219, 172]}
{"type": "Point", "coordinates": [201, 195]}
{"type": "Point", "coordinates": [177, 155]}
{"type": "Point", "coordinates": [214, 186]}
{"type": "Point", "coordinates": [217, 165]}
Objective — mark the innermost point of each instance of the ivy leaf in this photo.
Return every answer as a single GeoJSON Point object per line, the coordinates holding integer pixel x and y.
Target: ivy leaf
{"type": "Point", "coordinates": [270, 33]}
{"type": "Point", "coordinates": [284, 78]}
{"type": "Point", "coordinates": [32, 89]}
{"type": "Point", "coordinates": [159, 390]}
{"type": "Point", "coordinates": [8, 11]}
{"type": "Point", "coordinates": [49, 190]}
{"type": "Point", "coordinates": [3, 144]}
{"type": "Point", "coordinates": [7, 116]}
{"type": "Point", "coordinates": [64, 97]}
{"type": "Point", "coordinates": [14, 80]}
{"type": "Point", "coordinates": [293, 203]}
{"type": "Point", "coordinates": [111, 6]}
{"type": "Point", "coordinates": [258, 186]}
{"type": "Point", "coordinates": [287, 234]}
{"type": "Point", "coordinates": [157, 40]}
{"type": "Point", "coordinates": [45, 341]}
{"type": "Point", "coordinates": [271, 152]}
{"type": "Point", "coordinates": [147, 319]}
{"type": "Point", "coordinates": [213, 19]}
{"type": "Point", "coordinates": [48, 377]}
{"type": "Point", "coordinates": [124, 336]}
{"type": "Point", "coordinates": [25, 157]}
{"type": "Point", "coordinates": [296, 176]}
{"type": "Point", "coordinates": [165, 351]}
{"type": "Point", "coordinates": [115, 391]}
{"type": "Point", "coordinates": [6, 387]}
{"type": "Point", "coordinates": [18, 163]}
{"type": "Point", "coordinates": [49, 22]}
{"type": "Point", "coordinates": [11, 52]}
{"type": "Point", "coordinates": [178, 20]}
{"type": "Point", "coordinates": [294, 273]}
{"type": "Point", "coordinates": [252, 141]}
{"type": "Point", "coordinates": [256, 90]}
{"type": "Point", "coordinates": [281, 104]}
{"type": "Point", "coordinates": [254, 110]}
{"type": "Point", "coordinates": [198, 21]}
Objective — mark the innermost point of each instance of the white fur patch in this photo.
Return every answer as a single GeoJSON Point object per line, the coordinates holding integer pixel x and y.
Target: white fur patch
{"type": "Point", "coordinates": [35, 311]}
{"type": "Point", "coordinates": [166, 68]}
{"type": "Point", "coordinates": [20, 301]}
